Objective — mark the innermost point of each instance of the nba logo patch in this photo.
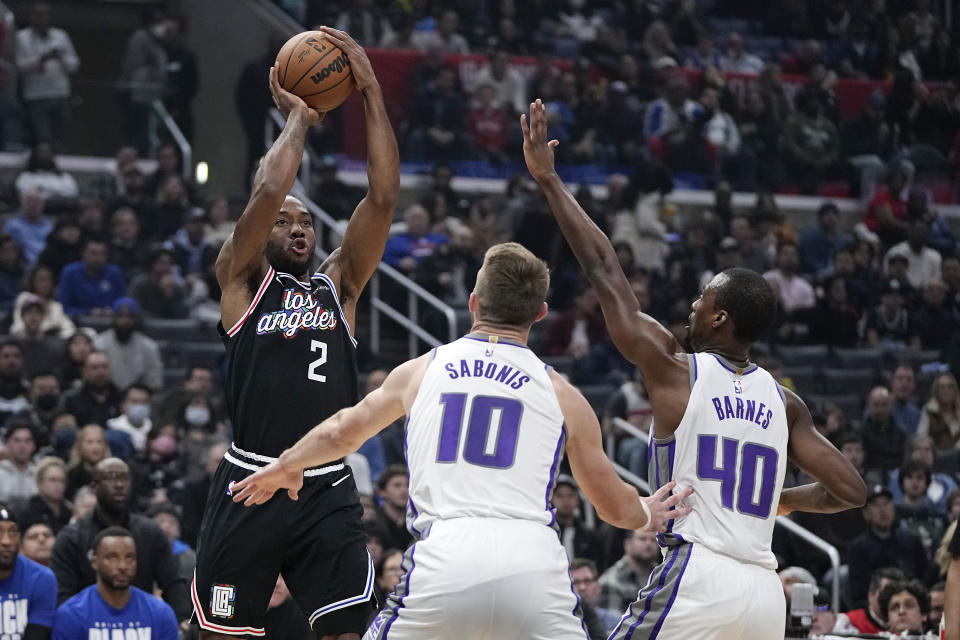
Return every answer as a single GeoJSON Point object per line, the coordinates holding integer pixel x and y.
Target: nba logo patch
{"type": "Point", "coordinates": [233, 482]}
{"type": "Point", "coordinates": [738, 386]}
{"type": "Point", "coordinates": [222, 597]}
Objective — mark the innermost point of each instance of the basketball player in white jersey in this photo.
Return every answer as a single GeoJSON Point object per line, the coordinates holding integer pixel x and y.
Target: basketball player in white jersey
{"type": "Point", "coordinates": [721, 425]}
{"type": "Point", "coordinates": [487, 426]}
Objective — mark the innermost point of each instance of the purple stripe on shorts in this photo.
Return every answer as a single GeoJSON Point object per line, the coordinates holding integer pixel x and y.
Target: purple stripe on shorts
{"type": "Point", "coordinates": [673, 596]}
{"type": "Point", "coordinates": [649, 600]}
{"type": "Point", "coordinates": [406, 592]}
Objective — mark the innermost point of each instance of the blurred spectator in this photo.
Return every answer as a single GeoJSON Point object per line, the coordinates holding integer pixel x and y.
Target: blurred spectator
{"type": "Point", "coordinates": [436, 120]}
{"type": "Point", "coordinates": [36, 543]}
{"type": "Point", "coordinates": [866, 142]}
{"type": "Point", "coordinates": [906, 606]}
{"type": "Point", "coordinates": [915, 514]}
{"type": "Point", "coordinates": [172, 206]}
{"type": "Point", "coordinates": [573, 331]}
{"type": "Point", "coordinates": [111, 482]}
{"type": "Point", "coordinates": [888, 324]}
{"type": "Point", "coordinates": [49, 504]}
{"type": "Point", "coordinates": [219, 225]}
{"type": "Point", "coordinates": [658, 43]}
{"type": "Point", "coordinates": [143, 78]}
{"type": "Point", "coordinates": [770, 85]}
{"type": "Point", "coordinates": [133, 195]}
{"type": "Point", "coordinates": [704, 56]}
{"type": "Point", "coordinates": [112, 602]}
{"type": "Point", "coordinates": [882, 545]}
{"type": "Point", "coordinates": [578, 540]}
{"type": "Point", "coordinates": [46, 402]}
{"type": "Point", "coordinates": [509, 87]}
{"type": "Point", "coordinates": [30, 227]}
{"type": "Point", "coordinates": [585, 579]}
{"type": "Point", "coordinates": [13, 388]}
{"type": "Point", "coordinates": [392, 490]}
{"type": "Point", "coordinates": [941, 236]}
{"type": "Point", "coordinates": [940, 418]}
{"type": "Point", "coordinates": [923, 262]}
{"type": "Point", "coordinates": [936, 605]}
{"type": "Point", "coordinates": [182, 79]}
{"type": "Point", "coordinates": [752, 255]}
{"type": "Point", "coordinates": [42, 175]}
{"type": "Point", "coordinates": [872, 619]}
{"type": "Point", "coordinates": [667, 123]}
{"type": "Point", "coordinates": [368, 26]}
{"type": "Point", "coordinates": [169, 165]}
{"type": "Point", "coordinates": [882, 439]}
{"type": "Point", "coordinates": [135, 419]}
{"type": "Point", "coordinates": [857, 55]}
{"type": "Point", "coordinates": [166, 515]}
{"type": "Point", "coordinates": [197, 385]}
{"type": "Point", "coordinates": [835, 321]}
{"type": "Point", "coordinates": [934, 322]}
{"type": "Point", "coordinates": [96, 400]}
{"type": "Point", "coordinates": [161, 291]}
{"type": "Point", "coordinates": [11, 271]}
{"type": "Point", "coordinates": [406, 250]}
{"type": "Point", "coordinates": [192, 250]}
{"type": "Point", "coordinates": [818, 244]}
{"type": "Point", "coordinates": [905, 411]}
{"type": "Point", "coordinates": [941, 61]}
{"type": "Point", "coordinates": [89, 448]}
{"type": "Point", "coordinates": [126, 249]}
{"type": "Point", "coordinates": [622, 581]}
{"type": "Point", "coordinates": [41, 352]}
{"type": "Point", "coordinates": [253, 101]}
{"type": "Point", "coordinates": [196, 490]}
{"type": "Point", "coordinates": [91, 285]}
{"type": "Point", "coordinates": [29, 588]}
{"type": "Point", "coordinates": [903, 105]}
{"type": "Point", "coordinates": [631, 403]}
{"type": "Point", "coordinates": [721, 132]}
{"type": "Point", "coordinates": [284, 620]}
{"type": "Point", "coordinates": [17, 470]}
{"type": "Point", "coordinates": [45, 60]}
{"type": "Point", "coordinates": [78, 347]}
{"type": "Point", "coordinates": [63, 246]}
{"type": "Point", "coordinates": [39, 285]}
{"type": "Point", "coordinates": [811, 142]}
{"type": "Point", "coordinates": [795, 293]}
{"type": "Point", "coordinates": [487, 124]}
{"type": "Point", "coordinates": [445, 38]}
{"type": "Point", "coordinates": [736, 60]}
{"type": "Point", "coordinates": [760, 136]}
{"type": "Point", "coordinates": [451, 270]}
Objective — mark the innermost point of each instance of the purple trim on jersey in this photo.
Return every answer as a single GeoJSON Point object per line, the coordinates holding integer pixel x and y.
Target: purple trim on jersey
{"type": "Point", "coordinates": [553, 474]}
{"type": "Point", "coordinates": [498, 343]}
{"type": "Point", "coordinates": [410, 505]}
{"type": "Point", "coordinates": [694, 358]}
{"type": "Point", "coordinates": [396, 610]}
{"type": "Point", "coordinates": [780, 391]}
{"type": "Point", "coordinates": [649, 599]}
{"type": "Point", "coordinates": [671, 454]}
{"type": "Point", "coordinates": [725, 366]}
{"type": "Point", "coordinates": [673, 596]}
{"type": "Point", "coordinates": [577, 610]}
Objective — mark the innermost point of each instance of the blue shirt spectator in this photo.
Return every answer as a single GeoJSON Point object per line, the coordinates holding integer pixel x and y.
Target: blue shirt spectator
{"type": "Point", "coordinates": [404, 251]}
{"type": "Point", "coordinates": [29, 227]}
{"type": "Point", "coordinates": [87, 615]}
{"type": "Point", "coordinates": [672, 112]}
{"type": "Point", "coordinates": [818, 244]}
{"type": "Point", "coordinates": [92, 283]}
{"type": "Point", "coordinates": [28, 597]}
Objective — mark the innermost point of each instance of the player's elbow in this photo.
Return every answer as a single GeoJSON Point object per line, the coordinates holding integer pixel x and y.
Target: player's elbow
{"type": "Point", "coordinates": [852, 492]}
{"type": "Point", "coordinates": [383, 198]}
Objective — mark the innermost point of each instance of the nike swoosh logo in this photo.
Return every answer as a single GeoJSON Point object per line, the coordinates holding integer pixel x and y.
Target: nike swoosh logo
{"type": "Point", "coordinates": [341, 480]}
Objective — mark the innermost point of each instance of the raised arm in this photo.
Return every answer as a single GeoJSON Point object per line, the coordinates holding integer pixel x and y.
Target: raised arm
{"type": "Point", "coordinates": [241, 258]}
{"type": "Point", "coordinates": [335, 437]}
{"type": "Point", "coordinates": [367, 230]}
{"type": "Point", "coordinates": [616, 502]}
{"type": "Point", "coordinates": [640, 338]}
{"type": "Point", "coordinates": [838, 486]}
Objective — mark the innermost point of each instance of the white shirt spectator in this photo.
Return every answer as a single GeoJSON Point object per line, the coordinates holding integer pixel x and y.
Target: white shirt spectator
{"type": "Point", "coordinates": [743, 63]}
{"type": "Point", "coordinates": [922, 268]}
{"type": "Point", "coordinates": [795, 292]}
{"type": "Point", "coordinates": [511, 89]}
{"type": "Point", "coordinates": [50, 78]}
{"type": "Point", "coordinates": [137, 360]}
{"type": "Point", "coordinates": [721, 131]}
{"type": "Point", "coordinates": [16, 484]}
{"type": "Point", "coordinates": [54, 318]}
{"type": "Point", "coordinates": [50, 184]}
{"type": "Point", "coordinates": [138, 435]}
{"type": "Point", "coordinates": [433, 41]}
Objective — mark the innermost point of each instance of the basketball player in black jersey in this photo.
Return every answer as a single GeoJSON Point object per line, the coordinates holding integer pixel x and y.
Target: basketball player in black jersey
{"type": "Point", "coordinates": [292, 364]}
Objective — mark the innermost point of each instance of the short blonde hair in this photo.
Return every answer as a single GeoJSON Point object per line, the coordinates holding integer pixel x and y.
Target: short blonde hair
{"type": "Point", "coordinates": [48, 463]}
{"type": "Point", "coordinates": [511, 285]}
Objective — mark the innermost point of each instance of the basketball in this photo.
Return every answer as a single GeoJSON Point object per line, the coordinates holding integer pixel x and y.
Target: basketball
{"type": "Point", "coordinates": [316, 70]}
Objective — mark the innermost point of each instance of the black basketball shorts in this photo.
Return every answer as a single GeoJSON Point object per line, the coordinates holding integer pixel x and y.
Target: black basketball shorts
{"type": "Point", "coordinates": [316, 542]}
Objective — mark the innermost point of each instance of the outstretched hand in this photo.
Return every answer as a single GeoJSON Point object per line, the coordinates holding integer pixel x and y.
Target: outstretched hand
{"type": "Point", "coordinates": [359, 62]}
{"type": "Point", "coordinates": [537, 152]}
{"type": "Point", "coordinates": [661, 503]}
{"type": "Point", "coordinates": [288, 103]}
{"type": "Point", "coordinates": [260, 487]}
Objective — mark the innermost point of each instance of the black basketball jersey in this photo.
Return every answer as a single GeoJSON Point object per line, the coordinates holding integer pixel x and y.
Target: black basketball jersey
{"type": "Point", "coordinates": [292, 363]}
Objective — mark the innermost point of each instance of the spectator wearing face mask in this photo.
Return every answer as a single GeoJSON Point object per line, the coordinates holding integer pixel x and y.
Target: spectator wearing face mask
{"type": "Point", "coordinates": [135, 419]}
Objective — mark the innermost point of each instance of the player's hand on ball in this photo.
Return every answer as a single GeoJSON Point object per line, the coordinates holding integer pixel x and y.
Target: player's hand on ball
{"type": "Point", "coordinates": [288, 103]}
{"type": "Point", "coordinates": [261, 486]}
{"type": "Point", "coordinates": [359, 62]}
{"type": "Point", "coordinates": [661, 503]}
{"type": "Point", "coordinates": [537, 152]}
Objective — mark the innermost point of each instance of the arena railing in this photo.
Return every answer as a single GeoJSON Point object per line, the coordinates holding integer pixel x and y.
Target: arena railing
{"type": "Point", "coordinates": [414, 293]}
{"type": "Point", "coordinates": [186, 151]}
{"type": "Point", "coordinates": [619, 424]}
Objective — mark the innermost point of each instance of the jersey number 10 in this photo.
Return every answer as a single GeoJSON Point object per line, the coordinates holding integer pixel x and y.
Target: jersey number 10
{"type": "Point", "coordinates": [476, 450]}
{"type": "Point", "coordinates": [743, 465]}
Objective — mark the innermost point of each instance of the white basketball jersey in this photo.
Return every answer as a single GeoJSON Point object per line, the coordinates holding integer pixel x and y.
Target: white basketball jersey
{"type": "Point", "coordinates": [731, 446]}
{"type": "Point", "coordinates": [484, 435]}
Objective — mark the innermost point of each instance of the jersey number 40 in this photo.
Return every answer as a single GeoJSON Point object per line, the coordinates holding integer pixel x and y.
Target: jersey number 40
{"type": "Point", "coordinates": [743, 462]}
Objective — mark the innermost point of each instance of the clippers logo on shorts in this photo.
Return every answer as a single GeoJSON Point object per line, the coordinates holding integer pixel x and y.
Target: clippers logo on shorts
{"type": "Point", "coordinates": [738, 386]}
{"type": "Point", "coordinates": [300, 311]}
{"type": "Point", "coordinates": [222, 597]}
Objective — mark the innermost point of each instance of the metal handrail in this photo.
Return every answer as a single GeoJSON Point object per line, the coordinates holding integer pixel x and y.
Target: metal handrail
{"type": "Point", "coordinates": [186, 151]}
{"type": "Point", "coordinates": [831, 551]}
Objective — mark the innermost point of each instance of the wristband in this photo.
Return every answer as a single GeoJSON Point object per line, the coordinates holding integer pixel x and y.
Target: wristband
{"type": "Point", "coordinates": [646, 511]}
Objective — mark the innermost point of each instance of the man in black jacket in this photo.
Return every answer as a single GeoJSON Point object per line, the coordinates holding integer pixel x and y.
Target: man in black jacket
{"type": "Point", "coordinates": [70, 563]}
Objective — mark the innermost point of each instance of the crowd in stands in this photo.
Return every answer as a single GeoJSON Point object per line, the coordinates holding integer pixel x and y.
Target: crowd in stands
{"type": "Point", "coordinates": [111, 406]}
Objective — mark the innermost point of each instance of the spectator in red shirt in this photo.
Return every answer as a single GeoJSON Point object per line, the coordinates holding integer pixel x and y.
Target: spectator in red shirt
{"type": "Point", "coordinates": [887, 212]}
{"type": "Point", "coordinates": [871, 619]}
{"type": "Point", "coordinates": [487, 124]}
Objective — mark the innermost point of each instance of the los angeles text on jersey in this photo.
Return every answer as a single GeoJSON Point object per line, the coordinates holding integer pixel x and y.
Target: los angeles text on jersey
{"type": "Point", "coordinates": [14, 613]}
{"type": "Point", "coordinates": [498, 372]}
{"type": "Point", "coordinates": [741, 409]}
{"type": "Point", "coordinates": [301, 310]}
{"type": "Point", "coordinates": [118, 631]}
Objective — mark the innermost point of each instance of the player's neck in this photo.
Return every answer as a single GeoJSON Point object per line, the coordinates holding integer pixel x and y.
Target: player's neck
{"type": "Point", "coordinates": [483, 329]}
{"type": "Point", "coordinates": [737, 354]}
{"type": "Point", "coordinates": [6, 573]}
{"type": "Point", "coordinates": [116, 598]}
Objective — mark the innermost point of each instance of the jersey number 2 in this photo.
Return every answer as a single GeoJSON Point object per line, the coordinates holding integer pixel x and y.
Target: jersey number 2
{"type": "Point", "coordinates": [316, 345]}
{"type": "Point", "coordinates": [477, 450]}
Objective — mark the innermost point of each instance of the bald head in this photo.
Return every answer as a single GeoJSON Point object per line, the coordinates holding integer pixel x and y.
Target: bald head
{"type": "Point", "coordinates": [879, 404]}
{"type": "Point", "coordinates": [111, 483]}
